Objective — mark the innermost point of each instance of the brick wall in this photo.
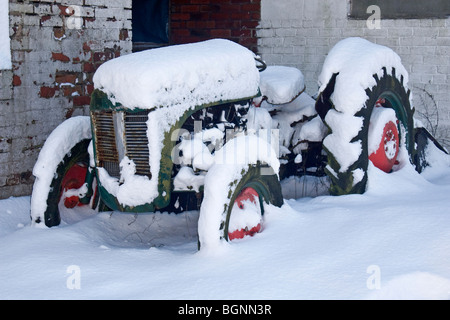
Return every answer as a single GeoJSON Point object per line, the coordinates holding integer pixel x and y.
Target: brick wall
{"type": "Point", "coordinates": [197, 20]}
{"type": "Point", "coordinates": [56, 47]}
{"type": "Point", "coordinates": [300, 33]}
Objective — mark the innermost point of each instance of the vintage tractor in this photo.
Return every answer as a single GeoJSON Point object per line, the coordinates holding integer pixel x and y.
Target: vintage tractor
{"type": "Point", "coordinates": [208, 126]}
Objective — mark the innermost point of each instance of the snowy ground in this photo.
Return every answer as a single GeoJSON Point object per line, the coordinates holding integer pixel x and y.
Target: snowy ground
{"type": "Point", "coordinates": [391, 243]}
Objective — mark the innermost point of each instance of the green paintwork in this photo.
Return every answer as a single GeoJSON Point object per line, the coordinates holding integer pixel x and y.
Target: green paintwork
{"type": "Point", "coordinates": [99, 102]}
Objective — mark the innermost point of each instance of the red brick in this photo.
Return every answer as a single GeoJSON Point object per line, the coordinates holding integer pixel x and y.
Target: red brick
{"type": "Point", "coordinates": [88, 67]}
{"type": "Point", "coordinates": [251, 24]}
{"type": "Point", "coordinates": [196, 20]}
{"type": "Point", "coordinates": [58, 32]}
{"type": "Point", "coordinates": [88, 19]}
{"type": "Point", "coordinates": [220, 33]}
{"type": "Point", "coordinates": [16, 81]}
{"type": "Point", "coordinates": [189, 8]}
{"type": "Point", "coordinates": [243, 16]}
{"type": "Point", "coordinates": [99, 57]}
{"type": "Point", "coordinates": [65, 11]}
{"type": "Point", "coordinates": [256, 15]}
{"type": "Point", "coordinates": [200, 1]}
{"type": "Point", "coordinates": [68, 91]}
{"type": "Point", "coordinates": [228, 24]}
{"type": "Point", "coordinates": [89, 89]}
{"type": "Point", "coordinates": [123, 34]}
{"type": "Point", "coordinates": [86, 47]}
{"type": "Point", "coordinates": [230, 8]}
{"type": "Point", "coordinates": [180, 16]}
{"type": "Point", "coordinates": [251, 7]}
{"type": "Point", "coordinates": [66, 77]}
{"type": "Point", "coordinates": [69, 113]}
{"type": "Point", "coordinates": [241, 33]}
{"type": "Point", "coordinates": [210, 24]}
{"type": "Point", "coordinates": [81, 100]}
{"type": "Point", "coordinates": [220, 16]}
{"type": "Point", "coordinates": [210, 8]}
{"type": "Point", "coordinates": [200, 16]}
{"type": "Point", "coordinates": [248, 42]}
{"type": "Point", "coordinates": [45, 18]}
{"type": "Point", "coordinates": [57, 56]}
{"type": "Point", "coordinates": [181, 32]}
{"type": "Point", "coordinates": [47, 92]}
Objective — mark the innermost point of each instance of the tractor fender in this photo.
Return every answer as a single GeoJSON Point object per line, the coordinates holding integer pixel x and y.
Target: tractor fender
{"type": "Point", "coordinates": [58, 144]}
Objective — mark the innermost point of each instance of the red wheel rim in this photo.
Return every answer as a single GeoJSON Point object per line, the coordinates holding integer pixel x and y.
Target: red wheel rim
{"type": "Point", "coordinates": [385, 157]}
{"type": "Point", "coordinates": [74, 179]}
{"type": "Point", "coordinates": [248, 196]}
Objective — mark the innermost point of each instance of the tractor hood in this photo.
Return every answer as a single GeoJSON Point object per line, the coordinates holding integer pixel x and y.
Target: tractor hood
{"type": "Point", "coordinates": [182, 75]}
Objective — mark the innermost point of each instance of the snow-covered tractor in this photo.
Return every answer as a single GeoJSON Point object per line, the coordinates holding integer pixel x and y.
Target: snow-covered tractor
{"type": "Point", "coordinates": [208, 126]}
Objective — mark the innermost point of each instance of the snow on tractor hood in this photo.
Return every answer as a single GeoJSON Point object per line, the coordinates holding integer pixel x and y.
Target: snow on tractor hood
{"type": "Point", "coordinates": [183, 75]}
{"type": "Point", "coordinates": [171, 81]}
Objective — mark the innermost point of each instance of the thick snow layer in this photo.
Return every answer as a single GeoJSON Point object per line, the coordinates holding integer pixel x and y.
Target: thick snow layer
{"type": "Point", "coordinates": [173, 80]}
{"type": "Point", "coordinates": [283, 117]}
{"type": "Point", "coordinates": [246, 218]}
{"type": "Point", "coordinates": [134, 189]}
{"type": "Point", "coordinates": [281, 84]}
{"type": "Point", "coordinates": [130, 189]}
{"type": "Point", "coordinates": [186, 179]}
{"type": "Point", "coordinates": [379, 118]}
{"type": "Point", "coordinates": [231, 163]}
{"type": "Point", "coordinates": [313, 130]}
{"type": "Point", "coordinates": [390, 243]}
{"type": "Point", "coordinates": [57, 145]}
{"type": "Point", "coordinates": [187, 75]}
{"type": "Point", "coordinates": [344, 128]}
{"type": "Point", "coordinates": [356, 60]}
{"type": "Point", "coordinates": [5, 51]}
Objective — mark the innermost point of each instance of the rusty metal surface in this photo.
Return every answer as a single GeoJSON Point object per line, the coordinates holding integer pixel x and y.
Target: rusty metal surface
{"type": "Point", "coordinates": [105, 142]}
{"type": "Point", "coordinates": [136, 141]}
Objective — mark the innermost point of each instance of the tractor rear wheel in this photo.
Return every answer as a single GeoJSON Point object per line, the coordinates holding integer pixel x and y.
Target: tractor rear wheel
{"type": "Point", "coordinates": [395, 136]}
{"type": "Point", "coordinates": [383, 140]}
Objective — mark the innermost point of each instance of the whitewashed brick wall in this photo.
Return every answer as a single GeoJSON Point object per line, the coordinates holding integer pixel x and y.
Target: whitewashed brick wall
{"type": "Point", "coordinates": [55, 49]}
{"type": "Point", "coordinates": [300, 33]}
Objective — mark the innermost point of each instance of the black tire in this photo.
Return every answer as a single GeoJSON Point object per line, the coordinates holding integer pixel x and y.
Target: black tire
{"type": "Point", "coordinates": [78, 154]}
{"type": "Point", "coordinates": [398, 98]}
{"type": "Point", "coordinates": [267, 185]}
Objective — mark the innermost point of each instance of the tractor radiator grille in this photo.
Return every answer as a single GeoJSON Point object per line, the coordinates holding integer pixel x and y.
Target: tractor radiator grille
{"type": "Point", "coordinates": [137, 142]}
{"type": "Point", "coordinates": [134, 143]}
{"type": "Point", "coordinates": [105, 142]}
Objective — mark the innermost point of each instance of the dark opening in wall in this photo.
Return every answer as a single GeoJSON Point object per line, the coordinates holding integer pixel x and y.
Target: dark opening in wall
{"type": "Point", "coordinates": [150, 23]}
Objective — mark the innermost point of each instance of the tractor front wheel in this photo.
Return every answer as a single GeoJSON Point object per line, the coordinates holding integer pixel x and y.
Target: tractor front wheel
{"type": "Point", "coordinates": [71, 186]}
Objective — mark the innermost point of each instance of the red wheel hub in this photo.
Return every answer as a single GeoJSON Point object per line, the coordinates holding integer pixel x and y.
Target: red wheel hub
{"type": "Point", "coordinates": [385, 157]}
{"type": "Point", "coordinates": [74, 179]}
{"type": "Point", "coordinates": [247, 195]}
